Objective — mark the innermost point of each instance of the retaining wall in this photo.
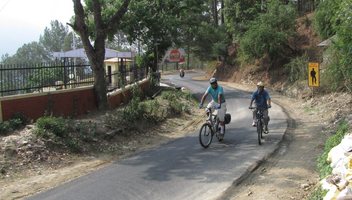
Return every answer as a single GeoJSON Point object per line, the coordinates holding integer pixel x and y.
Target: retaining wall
{"type": "Point", "coordinates": [66, 103]}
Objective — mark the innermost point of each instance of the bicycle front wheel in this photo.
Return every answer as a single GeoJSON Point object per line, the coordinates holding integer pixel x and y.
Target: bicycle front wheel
{"type": "Point", "coordinates": [259, 131]}
{"type": "Point", "coordinates": [205, 135]}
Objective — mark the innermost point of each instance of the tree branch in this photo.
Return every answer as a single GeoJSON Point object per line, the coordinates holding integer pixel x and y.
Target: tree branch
{"type": "Point", "coordinates": [115, 20]}
{"type": "Point", "coordinates": [81, 28]}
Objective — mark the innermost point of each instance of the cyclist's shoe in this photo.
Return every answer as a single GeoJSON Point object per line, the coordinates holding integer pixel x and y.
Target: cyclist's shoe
{"type": "Point", "coordinates": [266, 130]}
{"type": "Point", "coordinates": [254, 124]}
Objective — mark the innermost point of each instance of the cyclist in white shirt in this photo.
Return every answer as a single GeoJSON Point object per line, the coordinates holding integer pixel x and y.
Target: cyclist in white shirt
{"type": "Point", "coordinates": [218, 102]}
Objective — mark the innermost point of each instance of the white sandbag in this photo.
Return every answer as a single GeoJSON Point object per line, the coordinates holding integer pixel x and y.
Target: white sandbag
{"type": "Point", "coordinates": [346, 143]}
{"type": "Point", "coordinates": [345, 194]}
{"type": "Point", "coordinates": [339, 151]}
{"type": "Point", "coordinates": [335, 155]}
{"type": "Point", "coordinates": [340, 167]}
{"type": "Point", "coordinates": [332, 194]}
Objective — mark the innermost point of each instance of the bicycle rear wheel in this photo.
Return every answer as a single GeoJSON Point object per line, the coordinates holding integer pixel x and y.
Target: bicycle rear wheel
{"type": "Point", "coordinates": [221, 136]}
{"type": "Point", "coordinates": [259, 131]}
{"type": "Point", "coordinates": [205, 135]}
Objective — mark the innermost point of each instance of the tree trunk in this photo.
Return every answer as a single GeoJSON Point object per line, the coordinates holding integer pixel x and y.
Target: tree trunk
{"type": "Point", "coordinates": [96, 54]}
{"type": "Point", "coordinates": [188, 54]}
{"type": "Point", "coordinates": [222, 12]}
{"type": "Point", "coordinates": [100, 88]}
{"type": "Point", "coordinates": [214, 7]}
{"type": "Point", "coordinates": [155, 67]}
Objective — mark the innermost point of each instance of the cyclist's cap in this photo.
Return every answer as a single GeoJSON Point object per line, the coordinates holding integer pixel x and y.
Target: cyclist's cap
{"type": "Point", "coordinates": [213, 80]}
{"type": "Point", "coordinates": [260, 84]}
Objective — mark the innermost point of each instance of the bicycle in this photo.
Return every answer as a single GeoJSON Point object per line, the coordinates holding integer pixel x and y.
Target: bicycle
{"type": "Point", "coordinates": [209, 129]}
{"type": "Point", "coordinates": [259, 123]}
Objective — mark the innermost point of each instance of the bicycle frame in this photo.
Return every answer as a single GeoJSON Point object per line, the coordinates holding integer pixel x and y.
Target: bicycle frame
{"type": "Point", "coordinates": [260, 115]}
{"type": "Point", "coordinates": [213, 120]}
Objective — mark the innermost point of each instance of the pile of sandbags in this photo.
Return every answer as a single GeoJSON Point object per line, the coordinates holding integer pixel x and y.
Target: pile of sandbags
{"type": "Point", "coordinates": [339, 184]}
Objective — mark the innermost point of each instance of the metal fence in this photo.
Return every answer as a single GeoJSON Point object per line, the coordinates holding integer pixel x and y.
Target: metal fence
{"type": "Point", "coordinates": [44, 77]}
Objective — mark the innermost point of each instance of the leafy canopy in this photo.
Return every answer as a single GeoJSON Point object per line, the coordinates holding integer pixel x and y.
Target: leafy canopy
{"type": "Point", "coordinates": [269, 32]}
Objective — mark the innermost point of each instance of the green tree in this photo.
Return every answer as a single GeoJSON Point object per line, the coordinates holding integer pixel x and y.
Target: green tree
{"type": "Point", "coordinates": [118, 42]}
{"type": "Point", "coordinates": [325, 19]}
{"type": "Point", "coordinates": [154, 24]}
{"type": "Point", "coordinates": [28, 53]}
{"type": "Point", "coordinates": [95, 22]}
{"type": "Point", "coordinates": [57, 37]}
{"type": "Point", "coordinates": [339, 72]}
{"type": "Point", "coordinates": [190, 21]}
{"type": "Point", "coordinates": [238, 14]}
{"type": "Point", "coordinates": [268, 34]}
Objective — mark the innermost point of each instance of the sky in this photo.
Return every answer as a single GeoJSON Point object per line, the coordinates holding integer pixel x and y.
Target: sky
{"type": "Point", "coordinates": [23, 21]}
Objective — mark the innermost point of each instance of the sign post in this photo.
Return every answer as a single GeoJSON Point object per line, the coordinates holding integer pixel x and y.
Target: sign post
{"type": "Point", "coordinates": [313, 75]}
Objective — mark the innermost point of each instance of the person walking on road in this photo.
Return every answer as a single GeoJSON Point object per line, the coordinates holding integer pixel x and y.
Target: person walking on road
{"type": "Point", "coordinates": [218, 101]}
{"type": "Point", "coordinates": [262, 100]}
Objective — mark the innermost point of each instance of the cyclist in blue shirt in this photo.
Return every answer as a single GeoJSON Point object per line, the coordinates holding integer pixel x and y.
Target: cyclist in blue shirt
{"type": "Point", "coordinates": [218, 101]}
{"type": "Point", "coordinates": [263, 101]}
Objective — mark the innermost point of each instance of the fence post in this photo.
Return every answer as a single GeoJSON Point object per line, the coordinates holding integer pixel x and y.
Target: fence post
{"type": "Point", "coordinates": [2, 79]}
{"type": "Point", "coordinates": [65, 73]}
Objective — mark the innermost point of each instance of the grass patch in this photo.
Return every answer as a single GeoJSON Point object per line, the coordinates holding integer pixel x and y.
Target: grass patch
{"type": "Point", "coordinates": [317, 194]}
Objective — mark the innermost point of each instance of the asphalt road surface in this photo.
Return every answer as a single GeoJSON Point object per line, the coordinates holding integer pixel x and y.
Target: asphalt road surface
{"type": "Point", "coordinates": [182, 169]}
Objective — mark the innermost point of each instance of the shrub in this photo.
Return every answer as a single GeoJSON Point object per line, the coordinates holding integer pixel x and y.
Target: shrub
{"type": "Point", "coordinates": [4, 127]}
{"type": "Point", "coordinates": [325, 18]}
{"type": "Point", "coordinates": [152, 111]}
{"type": "Point", "coordinates": [45, 126]}
{"type": "Point", "coordinates": [133, 111]}
{"type": "Point", "coordinates": [20, 116]}
{"type": "Point", "coordinates": [14, 123]}
{"type": "Point", "coordinates": [297, 69]}
{"type": "Point", "coordinates": [176, 106]}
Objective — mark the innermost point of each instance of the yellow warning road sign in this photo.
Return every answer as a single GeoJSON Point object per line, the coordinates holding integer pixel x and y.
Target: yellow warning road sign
{"type": "Point", "coordinates": [313, 75]}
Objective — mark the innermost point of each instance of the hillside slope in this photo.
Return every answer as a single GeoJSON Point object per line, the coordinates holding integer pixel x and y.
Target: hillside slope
{"type": "Point", "coordinates": [303, 44]}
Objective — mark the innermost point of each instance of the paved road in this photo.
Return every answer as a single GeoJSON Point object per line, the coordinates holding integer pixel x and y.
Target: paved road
{"type": "Point", "coordinates": [182, 169]}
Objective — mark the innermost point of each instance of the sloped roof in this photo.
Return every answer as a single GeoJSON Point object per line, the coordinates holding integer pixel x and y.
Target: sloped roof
{"type": "Point", "coordinates": [80, 53]}
{"type": "Point", "coordinates": [116, 60]}
{"type": "Point", "coordinates": [327, 42]}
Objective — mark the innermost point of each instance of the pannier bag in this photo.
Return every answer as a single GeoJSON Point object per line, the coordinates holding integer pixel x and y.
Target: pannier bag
{"type": "Point", "coordinates": [227, 118]}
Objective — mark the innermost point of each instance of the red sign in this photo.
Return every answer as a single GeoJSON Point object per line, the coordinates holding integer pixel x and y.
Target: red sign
{"type": "Point", "coordinates": [175, 55]}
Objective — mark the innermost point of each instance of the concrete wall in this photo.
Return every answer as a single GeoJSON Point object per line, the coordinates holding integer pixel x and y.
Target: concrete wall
{"type": "Point", "coordinates": [66, 103]}
{"type": "Point", "coordinates": [120, 96]}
